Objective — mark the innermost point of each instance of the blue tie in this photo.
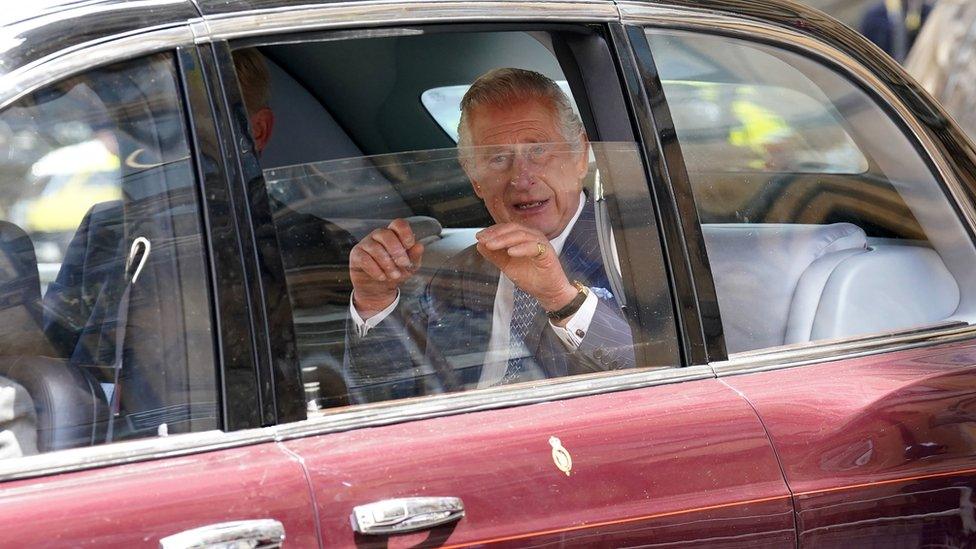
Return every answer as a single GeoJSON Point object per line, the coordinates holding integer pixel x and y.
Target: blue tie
{"type": "Point", "coordinates": [524, 310]}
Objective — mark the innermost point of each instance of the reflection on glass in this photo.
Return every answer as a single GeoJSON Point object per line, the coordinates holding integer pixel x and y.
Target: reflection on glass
{"type": "Point", "coordinates": [95, 169]}
{"type": "Point", "coordinates": [442, 334]}
{"type": "Point", "coordinates": [736, 127]}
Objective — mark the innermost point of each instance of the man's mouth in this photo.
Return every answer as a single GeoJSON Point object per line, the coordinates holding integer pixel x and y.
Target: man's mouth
{"type": "Point", "coordinates": [530, 206]}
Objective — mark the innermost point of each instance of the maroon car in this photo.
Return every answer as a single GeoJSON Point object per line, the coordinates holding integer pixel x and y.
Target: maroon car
{"type": "Point", "coordinates": [784, 218]}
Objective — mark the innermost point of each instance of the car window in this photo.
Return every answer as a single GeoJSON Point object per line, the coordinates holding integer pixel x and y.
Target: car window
{"type": "Point", "coordinates": [106, 324]}
{"type": "Point", "coordinates": [379, 224]}
{"type": "Point", "coordinates": [821, 219]}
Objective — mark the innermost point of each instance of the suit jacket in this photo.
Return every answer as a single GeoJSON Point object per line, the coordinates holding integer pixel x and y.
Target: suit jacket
{"type": "Point", "coordinates": [437, 343]}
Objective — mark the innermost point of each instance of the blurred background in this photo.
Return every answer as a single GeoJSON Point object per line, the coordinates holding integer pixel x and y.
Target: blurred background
{"type": "Point", "coordinates": [848, 11]}
{"type": "Point", "coordinates": [935, 40]}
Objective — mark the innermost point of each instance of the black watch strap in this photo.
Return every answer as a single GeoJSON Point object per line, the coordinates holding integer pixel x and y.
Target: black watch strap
{"type": "Point", "coordinates": [573, 306]}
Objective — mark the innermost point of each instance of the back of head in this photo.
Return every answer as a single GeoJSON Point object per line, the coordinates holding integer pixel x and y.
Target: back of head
{"type": "Point", "coordinates": [252, 72]}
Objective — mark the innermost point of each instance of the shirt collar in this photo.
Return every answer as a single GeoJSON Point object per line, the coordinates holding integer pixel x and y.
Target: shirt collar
{"type": "Point", "coordinates": [557, 243]}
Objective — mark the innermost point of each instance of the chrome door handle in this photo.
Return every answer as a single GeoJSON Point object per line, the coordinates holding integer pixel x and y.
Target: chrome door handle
{"type": "Point", "coordinates": [393, 516]}
{"type": "Point", "coordinates": [256, 534]}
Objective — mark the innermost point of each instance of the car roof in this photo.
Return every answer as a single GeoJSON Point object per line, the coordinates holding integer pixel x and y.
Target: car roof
{"type": "Point", "coordinates": [30, 35]}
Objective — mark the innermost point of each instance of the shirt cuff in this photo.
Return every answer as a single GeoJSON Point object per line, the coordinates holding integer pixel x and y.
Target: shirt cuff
{"type": "Point", "coordinates": [364, 326]}
{"type": "Point", "coordinates": [575, 330]}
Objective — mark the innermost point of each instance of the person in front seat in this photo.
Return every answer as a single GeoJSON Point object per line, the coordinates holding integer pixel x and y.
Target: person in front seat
{"type": "Point", "coordinates": [529, 300]}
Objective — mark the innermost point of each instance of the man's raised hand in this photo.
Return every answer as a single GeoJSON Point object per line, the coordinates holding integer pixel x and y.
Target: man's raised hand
{"type": "Point", "coordinates": [528, 260]}
{"type": "Point", "coordinates": [380, 263]}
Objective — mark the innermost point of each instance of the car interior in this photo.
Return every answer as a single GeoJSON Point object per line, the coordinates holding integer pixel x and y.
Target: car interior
{"type": "Point", "coordinates": [116, 347]}
{"type": "Point", "coordinates": [369, 151]}
{"type": "Point", "coordinates": [821, 220]}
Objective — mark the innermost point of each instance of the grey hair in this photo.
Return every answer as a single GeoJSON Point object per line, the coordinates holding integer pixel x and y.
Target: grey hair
{"type": "Point", "coordinates": [506, 86]}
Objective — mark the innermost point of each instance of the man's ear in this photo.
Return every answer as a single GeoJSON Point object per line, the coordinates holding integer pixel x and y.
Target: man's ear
{"type": "Point", "coordinates": [583, 161]}
{"type": "Point", "coordinates": [474, 182]}
{"type": "Point", "coordinates": [262, 124]}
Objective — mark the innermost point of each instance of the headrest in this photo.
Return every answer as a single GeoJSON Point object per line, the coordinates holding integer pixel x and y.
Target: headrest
{"type": "Point", "coordinates": [21, 330]}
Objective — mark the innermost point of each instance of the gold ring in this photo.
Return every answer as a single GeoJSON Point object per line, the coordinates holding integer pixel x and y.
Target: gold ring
{"type": "Point", "coordinates": [542, 250]}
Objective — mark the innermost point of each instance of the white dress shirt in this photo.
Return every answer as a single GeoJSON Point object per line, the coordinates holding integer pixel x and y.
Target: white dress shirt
{"type": "Point", "coordinates": [496, 358]}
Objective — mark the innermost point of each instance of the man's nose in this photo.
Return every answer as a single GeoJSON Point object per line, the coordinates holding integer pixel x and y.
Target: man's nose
{"type": "Point", "coordinates": [523, 172]}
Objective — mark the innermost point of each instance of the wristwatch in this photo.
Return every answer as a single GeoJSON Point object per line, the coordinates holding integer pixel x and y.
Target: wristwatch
{"type": "Point", "coordinates": [573, 306]}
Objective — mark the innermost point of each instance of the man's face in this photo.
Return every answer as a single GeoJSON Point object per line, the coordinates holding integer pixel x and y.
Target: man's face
{"type": "Point", "coordinates": [523, 168]}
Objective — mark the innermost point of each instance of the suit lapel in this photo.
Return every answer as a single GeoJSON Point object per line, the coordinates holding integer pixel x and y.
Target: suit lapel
{"type": "Point", "coordinates": [581, 257]}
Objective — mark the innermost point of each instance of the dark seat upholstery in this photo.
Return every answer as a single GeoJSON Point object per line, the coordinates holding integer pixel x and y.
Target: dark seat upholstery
{"type": "Point", "coordinates": [70, 406]}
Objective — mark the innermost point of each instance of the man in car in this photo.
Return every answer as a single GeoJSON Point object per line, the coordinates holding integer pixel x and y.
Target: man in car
{"type": "Point", "coordinates": [529, 301]}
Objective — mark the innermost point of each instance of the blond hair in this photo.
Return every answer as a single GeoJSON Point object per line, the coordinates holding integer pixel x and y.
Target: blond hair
{"type": "Point", "coordinates": [255, 81]}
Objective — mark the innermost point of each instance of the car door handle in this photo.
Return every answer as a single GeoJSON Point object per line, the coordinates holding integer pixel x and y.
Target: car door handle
{"type": "Point", "coordinates": [393, 516]}
{"type": "Point", "coordinates": [259, 534]}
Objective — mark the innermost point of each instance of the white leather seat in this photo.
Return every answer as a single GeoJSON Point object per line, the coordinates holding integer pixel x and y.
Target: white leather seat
{"type": "Point", "coordinates": [780, 284]}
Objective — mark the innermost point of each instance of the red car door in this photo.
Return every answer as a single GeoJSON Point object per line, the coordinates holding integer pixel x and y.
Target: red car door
{"type": "Point", "coordinates": [876, 448]}
{"type": "Point", "coordinates": [685, 463]}
{"type": "Point", "coordinates": [140, 504]}
{"type": "Point", "coordinates": [660, 455]}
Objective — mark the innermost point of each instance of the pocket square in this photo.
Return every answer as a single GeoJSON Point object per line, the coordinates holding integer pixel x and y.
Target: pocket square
{"type": "Point", "coordinates": [602, 293]}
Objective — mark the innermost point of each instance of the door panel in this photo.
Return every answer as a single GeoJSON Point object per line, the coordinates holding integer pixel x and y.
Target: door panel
{"type": "Point", "coordinates": [684, 463]}
{"type": "Point", "coordinates": [136, 505]}
{"type": "Point", "coordinates": [879, 447]}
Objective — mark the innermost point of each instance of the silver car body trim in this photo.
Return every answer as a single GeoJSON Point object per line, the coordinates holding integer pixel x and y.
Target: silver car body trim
{"type": "Point", "coordinates": [690, 19]}
{"type": "Point", "coordinates": [370, 415]}
{"type": "Point", "coordinates": [841, 349]}
{"type": "Point", "coordinates": [359, 14]}
{"type": "Point", "coordinates": [48, 70]}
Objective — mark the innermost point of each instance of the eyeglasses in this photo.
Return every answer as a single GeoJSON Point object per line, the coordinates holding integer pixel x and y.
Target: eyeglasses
{"type": "Point", "coordinates": [501, 158]}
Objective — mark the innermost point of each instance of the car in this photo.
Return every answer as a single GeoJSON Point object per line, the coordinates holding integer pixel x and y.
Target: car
{"type": "Point", "coordinates": [784, 218]}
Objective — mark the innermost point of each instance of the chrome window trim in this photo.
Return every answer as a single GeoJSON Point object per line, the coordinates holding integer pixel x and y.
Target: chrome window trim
{"type": "Point", "coordinates": [355, 417]}
{"type": "Point", "coordinates": [384, 12]}
{"type": "Point", "coordinates": [777, 358]}
{"type": "Point", "coordinates": [690, 19]}
{"type": "Point", "coordinates": [48, 70]}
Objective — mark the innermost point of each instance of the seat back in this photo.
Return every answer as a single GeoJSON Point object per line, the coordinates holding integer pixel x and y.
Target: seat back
{"type": "Point", "coordinates": [757, 268]}
{"type": "Point", "coordinates": [70, 406]}
{"type": "Point", "coordinates": [883, 288]}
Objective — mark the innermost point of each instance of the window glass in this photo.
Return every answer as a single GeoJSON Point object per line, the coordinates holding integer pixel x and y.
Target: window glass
{"type": "Point", "coordinates": [106, 324]}
{"type": "Point", "coordinates": [442, 335]}
{"type": "Point", "coordinates": [386, 205]}
{"type": "Point", "coordinates": [738, 127]}
{"type": "Point", "coordinates": [821, 219]}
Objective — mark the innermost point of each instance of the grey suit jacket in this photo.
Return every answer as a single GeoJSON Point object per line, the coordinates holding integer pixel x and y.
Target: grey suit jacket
{"type": "Point", "coordinates": [437, 343]}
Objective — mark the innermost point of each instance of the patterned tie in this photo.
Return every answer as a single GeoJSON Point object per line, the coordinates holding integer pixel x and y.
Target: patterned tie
{"type": "Point", "coordinates": [524, 310]}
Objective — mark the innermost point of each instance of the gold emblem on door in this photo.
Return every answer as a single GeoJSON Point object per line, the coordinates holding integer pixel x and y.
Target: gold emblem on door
{"type": "Point", "coordinates": [560, 456]}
